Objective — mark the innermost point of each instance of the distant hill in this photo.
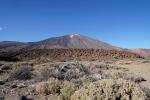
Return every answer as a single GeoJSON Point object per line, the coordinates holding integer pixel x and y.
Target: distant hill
{"type": "Point", "coordinates": [12, 45]}
{"type": "Point", "coordinates": [142, 52]}
{"type": "Point", "coordinates": [67, 41]}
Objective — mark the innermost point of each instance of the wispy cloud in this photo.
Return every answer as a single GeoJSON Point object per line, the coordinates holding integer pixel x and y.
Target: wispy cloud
{"type": "Point", "coordinates": [3, 28]}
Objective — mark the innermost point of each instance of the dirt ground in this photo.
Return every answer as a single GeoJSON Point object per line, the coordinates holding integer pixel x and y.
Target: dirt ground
{"type": "Point", "coordinates": [139, 69]}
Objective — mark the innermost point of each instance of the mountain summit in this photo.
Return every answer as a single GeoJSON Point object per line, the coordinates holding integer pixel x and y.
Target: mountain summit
{"type": "Point", "coordinates": [71, 41]}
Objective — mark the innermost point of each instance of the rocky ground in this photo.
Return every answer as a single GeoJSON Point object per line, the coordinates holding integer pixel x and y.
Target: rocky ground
{"type": "Point", "coordinates": [75, 80]}
{"type": "Point", "coordinates": [67, 54]}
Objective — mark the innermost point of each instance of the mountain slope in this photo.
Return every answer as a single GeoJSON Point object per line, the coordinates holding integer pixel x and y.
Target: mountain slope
{"type": "Point", "coordinates": [142, 52]}
{"type": "Point", "coordinates": [71, 41]}
{"type": "Point", "coordinates": [67, 41]}
{"type": "Point", "coordinates": [12, 45]}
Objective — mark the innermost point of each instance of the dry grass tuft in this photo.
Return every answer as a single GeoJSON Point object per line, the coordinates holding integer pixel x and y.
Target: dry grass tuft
{"type": "Point", "coordinates": [118, 75]}
{"type": "Point", "coordinates": [4, 77]}
{"type": "Point", "coordinates": [67, 90]}
{"type": "Point", "coordinates": [49, 87]}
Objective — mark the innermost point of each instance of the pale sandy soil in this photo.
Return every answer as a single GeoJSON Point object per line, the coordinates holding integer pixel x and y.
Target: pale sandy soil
{"type": "Point", "coordinates": [139, 69]}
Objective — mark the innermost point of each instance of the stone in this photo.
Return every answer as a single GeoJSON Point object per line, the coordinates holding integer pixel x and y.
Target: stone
{"type": "Point", "coordinates": [2, 82]}
{"type": "Point", "coordinates": [14, 86]}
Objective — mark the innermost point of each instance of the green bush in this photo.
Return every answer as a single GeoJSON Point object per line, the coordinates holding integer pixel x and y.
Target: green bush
{"type": "Point", "coordinates": [109, 90]}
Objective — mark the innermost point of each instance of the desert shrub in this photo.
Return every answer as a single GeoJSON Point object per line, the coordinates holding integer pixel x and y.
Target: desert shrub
{"type": "Point", "coordinates": [64, 72]}
{"type": "Point", "coordinates": [119, 74]}
{"type": "Point", "coordinates": [51, 72]}
{"type": "Point", "coordinates": [139, 79]}
{"type": "Point", "coordinates": [54, 87]}
{"type": "Point", "coordinates": [73, 71]}
{"type": "Point", "coordinates": [42, 88]}
{"type": "Point", "coordinates": [95, 77]}
{"type": "Point", "coordinates": [4, 77]}
{"type": "Point", "coordinates": [6, 67]}
{"type": "Point", "coordinates": [48, 87]}
{"type": "Point", "coordinates": [67, 90]}
{"type": "Point", "coordinates": [147, 92]}
{"type": "Point", "coordinates": [86, 79]}
{"type": "Point", "coordinates": [21, 73]}
{"type": "Point", "coordinates": [77, 82]}
{"type": "Point", "coordinates": [109, 90]}
{"type": "Point", "coordinates": [71, 74]}
{"type": "Point", "coordinates": [45, 73]}
{"type": "Point", "coordinates": [103, 66]}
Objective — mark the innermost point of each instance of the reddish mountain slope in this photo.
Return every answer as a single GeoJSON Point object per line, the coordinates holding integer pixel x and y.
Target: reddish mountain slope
{"type": "Point", "coordinates": [71, 41]}
{"type": "Point", "coordinates": [142, 52]}
{"type": "Point", "coordinates": [67, 41]}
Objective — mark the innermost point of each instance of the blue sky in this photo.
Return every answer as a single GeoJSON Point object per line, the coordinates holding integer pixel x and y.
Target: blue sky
{"type": "Point", "coordinates": [123, 23]}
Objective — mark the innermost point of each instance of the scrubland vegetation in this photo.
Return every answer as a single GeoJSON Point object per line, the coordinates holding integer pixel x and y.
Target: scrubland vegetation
{"type": "Point", "coordinates": [71, 80]}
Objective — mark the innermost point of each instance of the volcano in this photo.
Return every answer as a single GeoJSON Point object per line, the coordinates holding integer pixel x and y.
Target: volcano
{"type": "Point", "coordinates": [67, 41]}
